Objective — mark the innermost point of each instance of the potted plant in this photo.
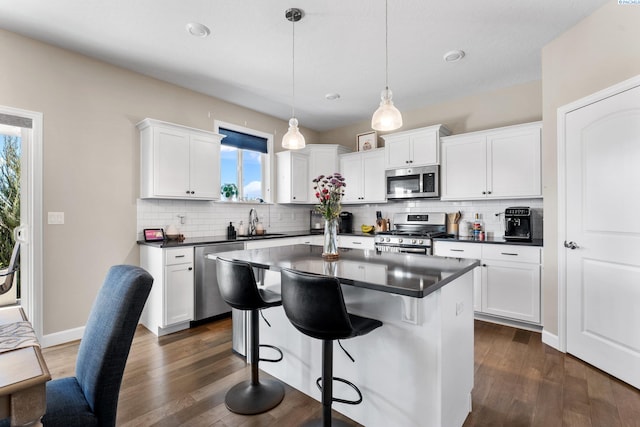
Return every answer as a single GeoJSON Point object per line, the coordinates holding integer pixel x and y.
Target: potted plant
{"type": "Point", "coordinates": [229, 191]}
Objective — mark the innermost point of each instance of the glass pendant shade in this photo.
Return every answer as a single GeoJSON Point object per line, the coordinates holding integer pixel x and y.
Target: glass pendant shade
{"type": "Point", "coordinates": [293, 139]}
{"type": "Point", "coordinates": [387, 117]}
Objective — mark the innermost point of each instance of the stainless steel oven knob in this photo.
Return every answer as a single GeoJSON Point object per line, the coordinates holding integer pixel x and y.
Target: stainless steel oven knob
{"type": "Point", "coordinates": [387, 239]}
{"type": "Point", "coordinates": [399, 240]}
{"type": "Point", "coordinates": [413, 241]}
{"type": "Point", "coordinates": [420, 242]}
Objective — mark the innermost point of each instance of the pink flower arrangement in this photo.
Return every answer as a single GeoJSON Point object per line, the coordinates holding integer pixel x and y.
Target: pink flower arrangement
{"type": "Point", "coordinates": [329, 190]}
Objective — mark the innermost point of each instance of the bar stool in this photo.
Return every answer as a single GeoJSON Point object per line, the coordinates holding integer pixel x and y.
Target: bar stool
{"type": "Point", "coordinates": [238, 288]}
{"type": "Point", "coordinates": [315, 306]}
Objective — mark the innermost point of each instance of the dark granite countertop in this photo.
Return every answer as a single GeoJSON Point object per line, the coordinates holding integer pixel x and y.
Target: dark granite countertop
{"type": "Point", "coordinates": [492, 240]}
{"type": "Point", "coordinates": [403, 274]}
{"type": "Point", "coordinates": [209, 240]}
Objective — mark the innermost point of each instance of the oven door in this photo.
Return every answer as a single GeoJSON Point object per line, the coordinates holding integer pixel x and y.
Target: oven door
{"type": "Point", "coordinates": [399, 249]}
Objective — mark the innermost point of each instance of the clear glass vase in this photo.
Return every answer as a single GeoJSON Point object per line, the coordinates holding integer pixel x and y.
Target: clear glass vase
{"type": "Point", "coordinates": [330, 248]}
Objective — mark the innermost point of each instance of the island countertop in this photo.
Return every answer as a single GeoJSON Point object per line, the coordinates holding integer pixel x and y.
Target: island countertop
{"type": "Point", "coordinates": [403, 274]}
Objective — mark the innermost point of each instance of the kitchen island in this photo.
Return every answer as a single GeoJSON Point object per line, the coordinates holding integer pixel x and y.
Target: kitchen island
{"type": "Point", "coordinates": [417, 369]}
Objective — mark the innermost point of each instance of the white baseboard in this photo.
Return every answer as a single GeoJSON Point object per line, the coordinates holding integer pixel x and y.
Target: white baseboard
{"type": "Point", "coordinates": [62, 337]}
{"type": "Point", "coordinates": [550, 339]}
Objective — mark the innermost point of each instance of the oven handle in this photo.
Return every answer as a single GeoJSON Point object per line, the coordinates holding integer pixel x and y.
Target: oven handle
{"type": "Point", "coordinates": [404, 250]}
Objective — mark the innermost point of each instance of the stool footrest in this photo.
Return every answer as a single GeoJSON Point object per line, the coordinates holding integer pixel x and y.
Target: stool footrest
{"type": "Point", "coordinates": [350, 384]}
{"type": "Point", "coordinates": [273, 347]}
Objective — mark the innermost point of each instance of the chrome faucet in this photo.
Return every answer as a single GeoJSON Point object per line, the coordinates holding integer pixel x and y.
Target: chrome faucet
{"type": "Point", "coordinates": [253, 220]}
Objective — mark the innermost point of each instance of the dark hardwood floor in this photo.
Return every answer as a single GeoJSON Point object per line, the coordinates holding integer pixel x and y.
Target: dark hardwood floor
{"type": "Point", "coordinates": [181, 379]}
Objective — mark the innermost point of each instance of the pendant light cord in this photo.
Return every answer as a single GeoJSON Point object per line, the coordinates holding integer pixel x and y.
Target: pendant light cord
{"type": "Point", "coordinates": [293, 66]}
{"type": "Point", "coordinates": [386, 43]}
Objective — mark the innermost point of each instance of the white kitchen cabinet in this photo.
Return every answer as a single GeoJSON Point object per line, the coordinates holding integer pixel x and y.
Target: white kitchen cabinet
{"type": "Point", "coordinates": [323, 160]}
{"type": "Point", "coordinates": [170, 305]}
{"type": "Point", "coordinates": [507, 283]}
{"type": "Point", "coordinates": [416, 147]}
{"type": "Point", "coordinates": [364, 175]}
{"type": "Point", "coordinates": [293, 177]}
{"type": "Point", "coordinates": [297, 169]}
{"type": "Point", "coordinates": [178, 162]}
{"type": "Point", "coordinates": [494, 164]}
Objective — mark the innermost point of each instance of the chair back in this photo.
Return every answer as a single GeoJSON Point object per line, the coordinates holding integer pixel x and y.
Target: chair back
{"type": "Point", "coordinates": [107, 338]}
{"type": "Point", "coordinates": [10, 272]}
{"type": "Point", "coordinates": [315, 305]}
{"type": "Point", "coordinates": [237, 284]}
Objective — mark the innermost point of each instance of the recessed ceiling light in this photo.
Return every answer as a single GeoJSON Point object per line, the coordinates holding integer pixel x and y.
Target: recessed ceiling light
{"type": "Point", "coordinates": [198, 30]}
{"type": "Point", "coordinates": [332, 96]}
{"type": "Point", "coordinates": [453, 55]}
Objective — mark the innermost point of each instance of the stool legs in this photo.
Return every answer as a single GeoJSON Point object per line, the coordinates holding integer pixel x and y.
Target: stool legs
{"type": "Point", "coordinates": [254, 396]}
{"type": "Point", "coordinates": [327, 391]}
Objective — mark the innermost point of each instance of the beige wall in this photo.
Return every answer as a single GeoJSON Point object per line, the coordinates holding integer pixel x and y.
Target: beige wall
{"type": "Point", "coordinates": [91, 159]}
{"type": "Point", "coordinates": [503, 107]}
{"type": "Point", "coordinates": [600, 51]}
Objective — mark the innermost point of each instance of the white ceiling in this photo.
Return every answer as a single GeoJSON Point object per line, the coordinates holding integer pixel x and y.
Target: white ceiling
{"type": "Point", "coordinates": [339, 47]}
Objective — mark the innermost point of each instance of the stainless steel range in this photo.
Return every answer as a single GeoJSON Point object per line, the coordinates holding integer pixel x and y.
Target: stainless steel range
{"type": "Point", "coordinates": [412, 233]}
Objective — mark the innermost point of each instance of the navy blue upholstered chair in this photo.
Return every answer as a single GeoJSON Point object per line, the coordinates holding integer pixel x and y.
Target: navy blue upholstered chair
{"type": "Point", "coordinates": [91, 397]}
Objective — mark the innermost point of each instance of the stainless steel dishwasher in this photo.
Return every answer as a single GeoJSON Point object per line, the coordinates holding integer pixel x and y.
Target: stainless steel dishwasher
{"type": "Point", "coordinates": [208, 301]}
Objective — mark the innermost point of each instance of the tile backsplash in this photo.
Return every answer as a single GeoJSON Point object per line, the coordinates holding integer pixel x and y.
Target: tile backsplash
{"type": "Point", "coordinates": [201, 219]}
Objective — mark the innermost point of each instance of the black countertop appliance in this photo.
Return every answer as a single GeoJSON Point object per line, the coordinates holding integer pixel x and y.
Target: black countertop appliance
{"type": "Point", "coordinates": [346, 222]}
{"type": "Point", "coordinates": [517, 224]}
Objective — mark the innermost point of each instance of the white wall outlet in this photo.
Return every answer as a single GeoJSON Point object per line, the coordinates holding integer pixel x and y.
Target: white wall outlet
{"type": "Point", "coordinates": [55, 218]}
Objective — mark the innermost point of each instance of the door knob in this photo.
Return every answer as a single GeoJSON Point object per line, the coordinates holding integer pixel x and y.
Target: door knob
{"type": "Point", "coordinates": [570, 245]}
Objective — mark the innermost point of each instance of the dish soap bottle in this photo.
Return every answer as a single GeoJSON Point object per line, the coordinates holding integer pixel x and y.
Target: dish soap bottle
{"type": "Point", "coordinates": [231, 232]}
{"type": "Point", "coordinates": [241, 230]}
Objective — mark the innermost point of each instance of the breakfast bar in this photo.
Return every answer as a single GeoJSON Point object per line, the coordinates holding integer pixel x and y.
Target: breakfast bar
{"type": "Point", "coordinates": [415, 370]}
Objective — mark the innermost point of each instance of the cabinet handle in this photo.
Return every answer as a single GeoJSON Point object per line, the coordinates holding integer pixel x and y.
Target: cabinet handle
{"type": "Point", "coordinates": [357, 243]}
{"type": "Point", "coordinates": [187, 191]}
{"type": "Point", "coordinates": [488, 192]}
{"type": "Point", "coordinates": [294, 197]}
{"type": "Point", "coordinates": [190, 268]}
{"type": "Point", "coordinates": [456, 250]}
{"type": "Point", "coordinates": [178, 256]}
{"type": "Point", "coordinates": [484, 265]}
{"type": "Point", "coordinates": [193, 192]}
{"type": "Point", "coordinates": [508, 253]}
{"type": "Point", "coordinates": [484, 192]}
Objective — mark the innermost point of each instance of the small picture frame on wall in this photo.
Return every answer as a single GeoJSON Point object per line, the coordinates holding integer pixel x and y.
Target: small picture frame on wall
{"type": "Point", "coordinates": [153, 234]}
{"type": "Point", "coordinates": [367, 141]}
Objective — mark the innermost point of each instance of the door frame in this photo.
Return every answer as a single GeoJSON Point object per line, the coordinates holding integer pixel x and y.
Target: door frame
{"type": "Point", "coordinates": [562, 194]}
{"type": "Point", "coordinates": [31, 282]}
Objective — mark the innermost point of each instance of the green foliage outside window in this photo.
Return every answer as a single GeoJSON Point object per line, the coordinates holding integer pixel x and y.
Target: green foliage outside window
{"type": "Point", "coordinates": [9, 196]}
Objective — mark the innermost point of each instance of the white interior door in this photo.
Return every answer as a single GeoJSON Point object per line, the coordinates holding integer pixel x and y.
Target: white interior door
{"type": "Point", "coordinates": [602, 247]}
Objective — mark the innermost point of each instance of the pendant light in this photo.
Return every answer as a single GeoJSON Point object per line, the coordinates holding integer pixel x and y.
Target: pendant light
{"type": "Point", "coordinates": [387, 117]}
{"type": "Point", "coordinates": [293, 139]}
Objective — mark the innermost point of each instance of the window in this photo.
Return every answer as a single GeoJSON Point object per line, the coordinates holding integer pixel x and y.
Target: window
{"type": "Point", "coordinates": [245, 163]}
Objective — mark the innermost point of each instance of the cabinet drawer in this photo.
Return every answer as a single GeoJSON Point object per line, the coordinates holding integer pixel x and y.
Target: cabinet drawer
{"type": "Point", "coordinates": [530, 254]}
{"type": "Point", "coordinates": [457, 249]}
{"type": "Point", "coordinates": [178, 256]}
{"type": "Point", "coordinates": [356, 242]}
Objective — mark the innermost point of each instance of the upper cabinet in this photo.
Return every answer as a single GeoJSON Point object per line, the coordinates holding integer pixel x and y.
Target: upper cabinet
{"type": "Point", "coordinates": [296, 170]}
{"type": "Point", "coordinates": [363, 173]}
{"type": "Point", "coordinates": [178, 162]}
{"type": "Point", "coordinates": [494, 164]}
{"type": "Point", "coordinates": [293, 177]}
{"type": "Point", "coordinates": [416, 147]}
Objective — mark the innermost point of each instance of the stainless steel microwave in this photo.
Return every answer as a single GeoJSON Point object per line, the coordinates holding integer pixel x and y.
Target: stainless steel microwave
{"type": "Point", "coordinates": [413, 182]}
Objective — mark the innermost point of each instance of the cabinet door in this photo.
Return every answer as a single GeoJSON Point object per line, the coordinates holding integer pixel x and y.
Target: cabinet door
{"type": "Point", "coordinates": [513, 163]}
{"type": "Point", "coordinates": [351, 170]}
{"type": "Point", "coordinates": [170, 163]}
{"type": "Point", "coordinates": [178, 294]}
{"type": "Point", "coordinates": [299, 179]}
{"type": "Point", "coordinates": [204, 180]}
{"type": "Point", "coordinates": [424, 148]}
{"type": "Point", "coordinates": [373, 179]}
{"type": "Point", "coordinates": [511, 289]}
{"type": "Point", "coordinates": [321, 162]}
{"type": "Point", "coordinates": [464, 168]}
{"type": "Point", "coordinates": [398, 152]}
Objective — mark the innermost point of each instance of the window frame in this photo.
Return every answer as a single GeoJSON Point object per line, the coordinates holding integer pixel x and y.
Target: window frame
{"type": "Point", "coordinates": [267, 169]}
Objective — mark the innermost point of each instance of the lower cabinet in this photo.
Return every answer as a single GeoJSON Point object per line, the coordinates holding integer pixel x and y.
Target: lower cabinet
{"type": "Point", "coordinates": [507, 283]}
{"type": "Point", "coordinates": [356, 242]}
{"type": "Point", "coordinates": [170, 305]}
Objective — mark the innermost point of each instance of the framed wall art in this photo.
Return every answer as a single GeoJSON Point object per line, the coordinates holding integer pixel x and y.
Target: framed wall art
{"type": "Point", "coordinates": [367, 141]}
